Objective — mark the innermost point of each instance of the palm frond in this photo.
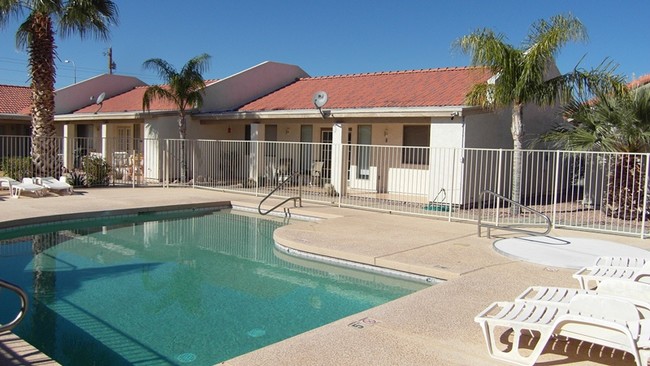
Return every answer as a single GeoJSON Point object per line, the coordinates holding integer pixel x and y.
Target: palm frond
{"type": "Point", "coordinates": [11, 9]}
{"type": "Point", "coordinates": [546, 38]}
{"type": "Point", "coordinates": [156, 92]}
{"type": "Point", "coordinates": [23, 34]}
{"type": "Point", "coordinates": [485, 48]}
{"type": "Point", "coordinates": [88, 17]}
{"type": "Point", "coordinates": [197, 65]}
{"type": "Point", "coordinates": [184, 88]}
{"type": "Point", "coordinates": [164, 69]}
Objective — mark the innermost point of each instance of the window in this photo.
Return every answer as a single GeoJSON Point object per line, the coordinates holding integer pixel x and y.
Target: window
{"type": "Point", "coordinates": [270, 136]}
{"type": "Point", "coordinates": [363, 152]}
{"type": "Point", "coordinates": [306, 135]}
{"type": "Point", "coordinates": [416, 143]}
{"type": "Point", "coordinates": [124, 138]}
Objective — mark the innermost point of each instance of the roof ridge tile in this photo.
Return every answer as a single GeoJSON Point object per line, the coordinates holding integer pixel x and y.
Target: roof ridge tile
{"type": "Point", "coordinates": [396, 72]}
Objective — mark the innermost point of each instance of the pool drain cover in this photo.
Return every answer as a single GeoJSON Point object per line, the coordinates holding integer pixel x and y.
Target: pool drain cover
{"type": "Point", "coordinates": [257, 332]}
{"type": "Point", "coordinates": [186, 357]}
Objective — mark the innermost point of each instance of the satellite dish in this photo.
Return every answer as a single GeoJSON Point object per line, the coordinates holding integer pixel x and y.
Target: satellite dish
{"type": "Point", "coordinates": [100, 100]}
{"type": "Point", "coordinates": [319, 99]}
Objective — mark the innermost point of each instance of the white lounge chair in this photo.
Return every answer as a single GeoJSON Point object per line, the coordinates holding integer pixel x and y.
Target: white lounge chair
{"type": "Point", "coordinates": [607, 261]}
{"type": "Point", "coordinates": [602, 320]}
{"type": "Point", "coordinates": [596, 274]}
{"type": "Point", "coordinates": [16, 188]}
{"type": "Point", "coordinates": [59, 186]}
{"type": "Point", "coordinates": [636, 292]}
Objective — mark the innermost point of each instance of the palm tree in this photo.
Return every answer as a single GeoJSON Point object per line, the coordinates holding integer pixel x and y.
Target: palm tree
{"type": "Point", "coordinates": [616, 124]}
{"type": "Point", "coordinates": [184, 89]}
{"type": "Point", "coordinates": [521, 75]}
{"type": "Point", "coordinates": [36, 34]}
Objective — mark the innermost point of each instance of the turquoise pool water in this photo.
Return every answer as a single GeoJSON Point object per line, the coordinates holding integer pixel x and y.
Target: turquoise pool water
{"type": "Point", "coordinates": [185, 289]}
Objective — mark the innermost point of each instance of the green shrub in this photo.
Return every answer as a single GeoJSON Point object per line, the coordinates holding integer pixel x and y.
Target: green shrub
{"type": "Point", "coordinates": [76, 178]}
{"type": "Point", "coordinates": [97, 171]}
{"type": "Point", "coordinates": [17, 167]}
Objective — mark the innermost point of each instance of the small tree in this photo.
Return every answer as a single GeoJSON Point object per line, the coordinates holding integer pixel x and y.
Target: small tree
{"type": "Point", "coordinates": [97, 171]}
{"type": "Point", "coordinates": [613, 123]}
{"type": "Point", "coordinates": [36, 34]}
{"type": "Point", "coordinates": [184, 89]}
{"type": "Point", "coordinates": [521, 75]}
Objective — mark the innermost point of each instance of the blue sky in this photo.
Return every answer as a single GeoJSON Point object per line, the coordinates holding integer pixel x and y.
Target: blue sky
{"type": "Point", "coordinates": [333, 37]}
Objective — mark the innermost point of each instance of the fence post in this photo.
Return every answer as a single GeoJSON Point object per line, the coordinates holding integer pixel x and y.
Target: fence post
{"type": "Point", "coordinates": [165, 162]}
{"type": "Point", "coordinates": [645, 195]}
{"type": "Point", "coordinates": [257, 168]}
{"type": "Point", "coordinates": [133, 168]}
{"type": "Point", "coordinates": [193, 162]}
{"type": "Point", "coordinates": [556, 187]}
{"type": "Point", "coordinates": [499, 174]}
{"type": "Point", "coordinates": [455, 161]}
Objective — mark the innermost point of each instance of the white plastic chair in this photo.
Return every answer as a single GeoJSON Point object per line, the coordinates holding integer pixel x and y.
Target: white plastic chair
{"type": "Point", "coordinates": [16, 188]}
{"type": "Point", "coordinates": [636, 292]}
{"type": "Point", "coordinates": [598, 319]}
{"type": "Point", "coordinates": [60, 186]}
{"type": "Point", "coordinates": [596, 274]}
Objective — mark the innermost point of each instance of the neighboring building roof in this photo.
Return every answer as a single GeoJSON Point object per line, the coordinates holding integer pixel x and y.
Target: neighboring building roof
{"type": "Point", "coordinates": [15, 99]}
{"type": "Point", "coordinates": [399, 89]}
{"type": "Point", "coordinates": [641, 81]}
{"type": "Point", "coordinates": [131, 101]}
{"type": "Point", "coordinates": [72, 97]}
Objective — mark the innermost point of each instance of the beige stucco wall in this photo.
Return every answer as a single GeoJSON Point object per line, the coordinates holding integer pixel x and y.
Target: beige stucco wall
{"type": "Point", "coordinates": [488, 130]}
{"type": "Point", "coordinates": [85, 92]}
{"type": "Point", "coordinates": [250, 84]}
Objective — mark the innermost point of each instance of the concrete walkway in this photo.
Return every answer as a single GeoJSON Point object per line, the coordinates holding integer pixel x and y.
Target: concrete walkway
{"type": "Point", "coordinates": [431, 327]}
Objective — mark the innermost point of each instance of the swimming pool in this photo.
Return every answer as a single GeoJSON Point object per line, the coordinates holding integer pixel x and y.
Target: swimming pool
{"type": "Point", "coordinates": [191, 288]}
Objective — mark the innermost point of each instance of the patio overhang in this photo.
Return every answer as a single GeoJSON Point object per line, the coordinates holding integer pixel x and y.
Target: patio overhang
{"type": "Point", "coordinates": [112, 116]}
{"type": "Point", "coordinates": [15, 117]}
{"type": "Point", "coordinates": [388, 112]}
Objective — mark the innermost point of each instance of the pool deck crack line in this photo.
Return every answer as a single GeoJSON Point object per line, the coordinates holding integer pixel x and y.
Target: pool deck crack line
{"type": "Point", "coordinates": [422, 246]}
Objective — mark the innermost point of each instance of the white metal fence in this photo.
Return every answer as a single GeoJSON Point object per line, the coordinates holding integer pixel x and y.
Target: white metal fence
{"type": "Point", "coordinates": [582, 190]}
{"type": "Point", "coordinates": [88, 161]}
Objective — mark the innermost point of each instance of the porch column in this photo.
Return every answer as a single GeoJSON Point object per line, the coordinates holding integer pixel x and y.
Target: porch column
{"type": "Point", "coordinates": [66, 147]}
{"type": "Point", "coordinates": [431, 189]}
{"type": "Point", "coordinates": [102, 137]}
{"type": "Point", "coordinates": [256, 157]}
{"type": "Point", "coordinates": [339, 160]}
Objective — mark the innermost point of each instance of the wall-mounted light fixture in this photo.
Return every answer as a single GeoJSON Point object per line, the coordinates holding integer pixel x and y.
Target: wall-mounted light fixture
{"type": "Point", "coordinates": [287, 131]}
{"type": "Point", "coordinates": [229, 129]}
{"type": "Point", "coordinates": [386, 135]}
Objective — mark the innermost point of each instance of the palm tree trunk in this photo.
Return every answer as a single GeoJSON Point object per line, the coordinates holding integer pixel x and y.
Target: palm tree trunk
{"type": "Point", "coordinates": [182, 129]}
{"type": "Point", "coordinates": [517, 130]}
{"type": "Point", "coordinates": [45, 150]}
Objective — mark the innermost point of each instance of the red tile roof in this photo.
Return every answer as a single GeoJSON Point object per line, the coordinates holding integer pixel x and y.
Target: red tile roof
{"type": "Point", "coordinates": [641, 81]}
{"type": "Point", "coordinates": [415, 88]}
{"type": "Point", "coordinates": [15, 99]}
{"type": "Point", "coordinates": [131, 101]}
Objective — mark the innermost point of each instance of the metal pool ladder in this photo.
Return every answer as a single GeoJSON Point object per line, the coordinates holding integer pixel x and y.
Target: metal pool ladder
{"type": "Point", "coordinates": [23, 305]}
{"type": "Point", "coordinates": [510, 226]}
{"type": "Point", "coordinates": [297, 200]}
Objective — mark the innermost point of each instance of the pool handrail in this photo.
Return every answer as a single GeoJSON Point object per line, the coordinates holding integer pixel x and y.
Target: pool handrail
{"type": "Point", "coordinates": [280, 185]}
{"type": "Point", "coordinates": [23, 305]}
{"type": "Point", "coordinates": [480, 222]}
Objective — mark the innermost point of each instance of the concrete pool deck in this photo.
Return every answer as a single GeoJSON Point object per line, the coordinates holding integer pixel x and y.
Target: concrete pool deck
{"type": "Point", "coordinates": [434, 326]}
